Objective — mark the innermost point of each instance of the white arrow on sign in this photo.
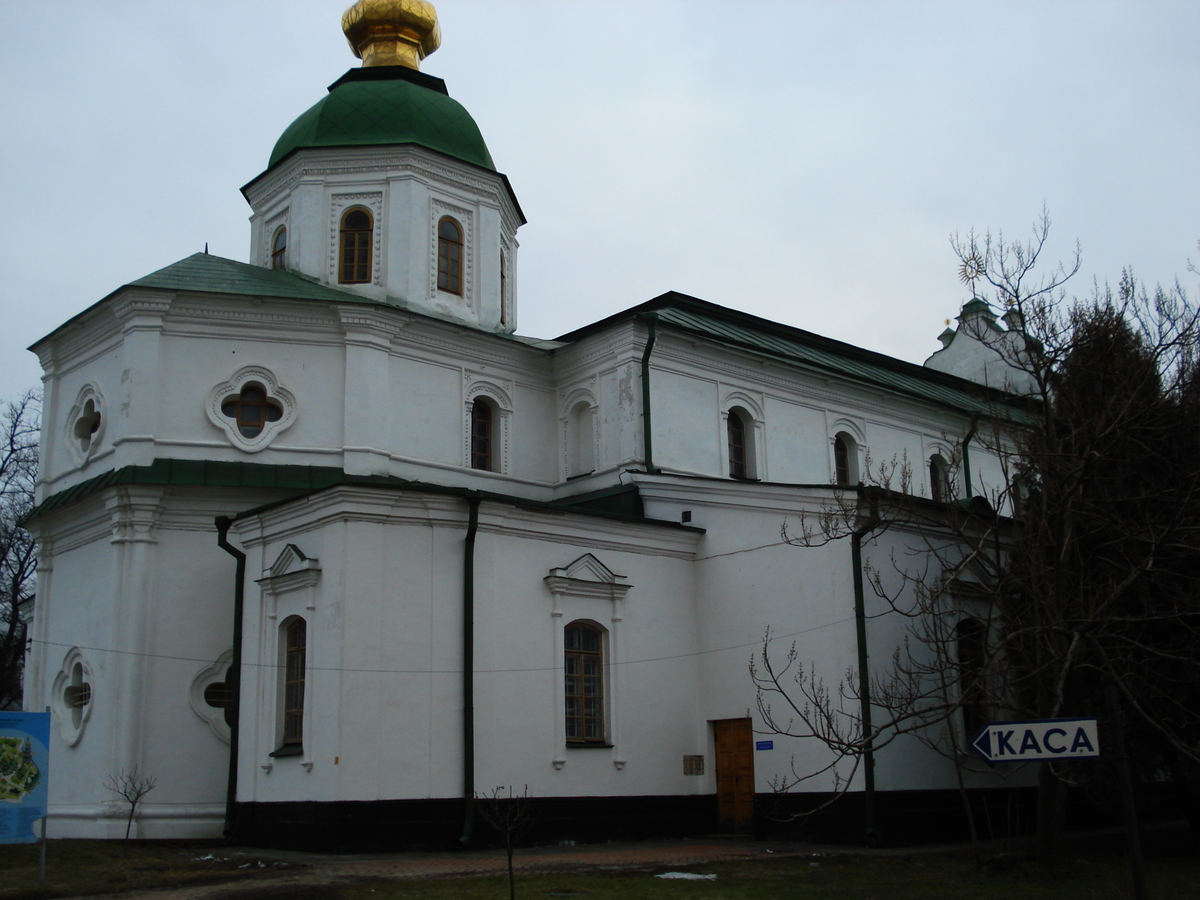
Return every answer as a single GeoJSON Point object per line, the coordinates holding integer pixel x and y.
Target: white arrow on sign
{"type": "Point", "coordinates": [1039, 739]}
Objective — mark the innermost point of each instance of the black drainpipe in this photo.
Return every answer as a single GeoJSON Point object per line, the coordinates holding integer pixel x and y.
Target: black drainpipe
{"type": "Point", "coordinates": [871, 833]}
{"type": "Point", "coordinates": [651, 323]}
{"type": "Point", "coordinates": [235, 670]}
{"type": "Point", "coordinates": [468, 672]}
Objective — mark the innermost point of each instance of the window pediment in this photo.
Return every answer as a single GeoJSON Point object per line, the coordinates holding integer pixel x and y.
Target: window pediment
{"type": "Point", "coordinates": [587, 577]}
{"type": "Point", "coordinates": [291, 571]}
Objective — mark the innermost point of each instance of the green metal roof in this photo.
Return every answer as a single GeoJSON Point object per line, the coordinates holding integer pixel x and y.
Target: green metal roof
{"type": "Point", "coordinates": [733, 328]}
{"type": "Point", "coordinates": [210, 274]}
{"type": "Point", "coordinates": [387, 105]}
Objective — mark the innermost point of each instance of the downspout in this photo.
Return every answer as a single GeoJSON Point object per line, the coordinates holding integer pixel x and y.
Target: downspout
{"type": "Point", "coordinates": [468, 671]}
{"type": "Point", "coordinates": [966, 454]}
{"type": "Point", "coordinates": [864, 683]}
{"type": "Point", "coordinates": [235, 670]}
{"type": "Point", "coordinates": [651, 320]}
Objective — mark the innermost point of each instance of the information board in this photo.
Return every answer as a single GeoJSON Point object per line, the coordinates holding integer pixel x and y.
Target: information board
{"type": "Point", "coordinates": [24, 766]}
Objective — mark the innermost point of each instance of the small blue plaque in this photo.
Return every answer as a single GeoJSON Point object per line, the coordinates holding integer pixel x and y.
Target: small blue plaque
{"type": "Point", "coordinates": [764, 745]}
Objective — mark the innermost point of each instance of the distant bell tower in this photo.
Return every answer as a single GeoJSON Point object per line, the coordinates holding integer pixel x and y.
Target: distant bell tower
{"type": "Point", "coordinates": [385, 187]}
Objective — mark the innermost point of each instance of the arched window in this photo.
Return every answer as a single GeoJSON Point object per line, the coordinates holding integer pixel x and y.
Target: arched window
{"type": "Point", "coordinates": [354, 259]}
{"type": "Point", "coordinates": [739, 433]}
{"type": "Point", "coordinates": [482, 449]}
{"type": "Point", "coordinates": [450, 252]}
{"type": "Point", "coordinates": [279, 249]}
{"type": "Point", "coordinates": [295, 651]}
{"type": "Point", "coordinates": [845, 459]}
{"type": "Point", "coordinates": [583, 668]}
{"type": "Point", "coordinates": [971, 637]}
{"type": "Point", "coordinates": [252, 410]}
{"type": "Point", "coordinates": [581, 440]}
{"type": "Point", "coordinates": [939, 478]}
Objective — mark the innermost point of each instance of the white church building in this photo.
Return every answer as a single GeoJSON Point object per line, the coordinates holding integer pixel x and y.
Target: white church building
{"type": "Point", "coordinates": [327, 547]}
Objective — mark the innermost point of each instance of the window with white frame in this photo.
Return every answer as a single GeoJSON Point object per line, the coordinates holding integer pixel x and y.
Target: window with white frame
{"type": "Point", "coordinates": [293, 661]}
{"type": "Point", "coordinates": [583, 683]}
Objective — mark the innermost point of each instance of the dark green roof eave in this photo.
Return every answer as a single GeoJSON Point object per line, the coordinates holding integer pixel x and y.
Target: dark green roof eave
{"type": "Point", "coordinates": [303, 481]}
{"type": "Point", "coordinates": [985, 401]}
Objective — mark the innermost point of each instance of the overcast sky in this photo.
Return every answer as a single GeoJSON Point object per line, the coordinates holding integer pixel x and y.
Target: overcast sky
{"type": "Point", "coordinates": [802, 161]}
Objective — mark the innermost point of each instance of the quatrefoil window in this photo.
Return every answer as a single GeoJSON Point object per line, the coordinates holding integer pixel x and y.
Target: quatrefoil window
{"type": "Point", "coordinates": [87, 425]}
{"type": "Point", "coordinates": [251, 408]}
{"type": "Point", "coordinates": [73, 696]}
{"type": "Point", "coordinates": [219, 695]}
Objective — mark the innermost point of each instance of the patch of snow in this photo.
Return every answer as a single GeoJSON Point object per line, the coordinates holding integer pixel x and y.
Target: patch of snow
{"type": "Point", "coordinates": [687, 876]}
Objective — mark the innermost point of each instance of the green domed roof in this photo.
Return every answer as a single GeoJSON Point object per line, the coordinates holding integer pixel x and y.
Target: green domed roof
{"type": "Point", "coordinates": [387, 105]}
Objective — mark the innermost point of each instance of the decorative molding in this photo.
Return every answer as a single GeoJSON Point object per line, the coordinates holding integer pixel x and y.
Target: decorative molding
{"type": "Point", "coordinates": [89, 408]}
{"type": "Point", "coordinates": [414, 162]}
{"type": "Point", "coordinates": [267, 241]}
{"type": "Point", "coordinates": [232, 388]}
{"type": "Point", "coordinates": [338, 204]}
{"type": "Point", "coordinates": [133, 514]}
{"type": "Point", "coordinates": [73, 674]}
{"type": "Point", "coordinates": [212, 716]}
{"type": "Point", "coordinates": [586, 577]}
{"type": "Point", "coordinates": [500, 392]}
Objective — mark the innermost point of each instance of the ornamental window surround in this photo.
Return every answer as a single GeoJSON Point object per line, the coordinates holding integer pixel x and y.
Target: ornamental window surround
{"type": "Point", "coordinates": [742, 429]}
{"type": "Point", "coordinates": [354, 246]}
{"type": "Point", "coordinates": [86, 424]}
{"type": "Point", "coordinates": [486, 412]}
{"type": "Point", "coordinates": [587, 690]}
{"type": "Point", "coordinates": [252, 408]}
{"type": "Point", "coordinates": [73, 696]}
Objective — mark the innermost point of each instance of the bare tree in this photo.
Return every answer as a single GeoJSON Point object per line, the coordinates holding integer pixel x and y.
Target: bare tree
{"type": "Point", "coordinates": [1083, 560]}
{"type": "Point", "coordinates": [507, 814]}
{"type": "Point", "coordinates": [21, 425]}
{"type": "Point", "coordinates": [131, 786]}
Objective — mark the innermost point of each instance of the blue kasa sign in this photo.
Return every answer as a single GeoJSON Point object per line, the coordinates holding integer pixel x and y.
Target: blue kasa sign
{"type": "Point", "coordinates": [1038, 739]}
{"type": "Point", "coordinates": [24, 764]}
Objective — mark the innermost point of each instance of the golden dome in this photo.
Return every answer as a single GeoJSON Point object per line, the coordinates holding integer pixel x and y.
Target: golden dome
{"type": "Point", "coordinates": [392, 32]}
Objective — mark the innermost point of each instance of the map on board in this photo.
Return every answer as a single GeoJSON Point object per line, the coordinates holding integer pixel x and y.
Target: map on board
{"type": "Point", "coordinates": [24, 767]}
{"type": "Point", "coordinates": [19, 774]}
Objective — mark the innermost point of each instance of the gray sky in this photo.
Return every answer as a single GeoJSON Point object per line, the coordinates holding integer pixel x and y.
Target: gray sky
{"type": "Point", "coordinates": [802, 161]}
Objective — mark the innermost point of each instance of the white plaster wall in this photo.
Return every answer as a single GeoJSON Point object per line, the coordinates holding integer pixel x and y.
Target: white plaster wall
{"type": "Point", "coordinates": [385, 654]}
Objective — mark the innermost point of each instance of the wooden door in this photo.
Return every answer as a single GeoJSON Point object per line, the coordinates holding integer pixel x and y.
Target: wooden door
{"type": "Point", "coordinates": [735, 774]}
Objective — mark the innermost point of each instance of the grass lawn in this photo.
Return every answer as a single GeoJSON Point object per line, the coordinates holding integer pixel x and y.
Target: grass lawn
{"type": "Point", "coordinates": [89, 867]}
